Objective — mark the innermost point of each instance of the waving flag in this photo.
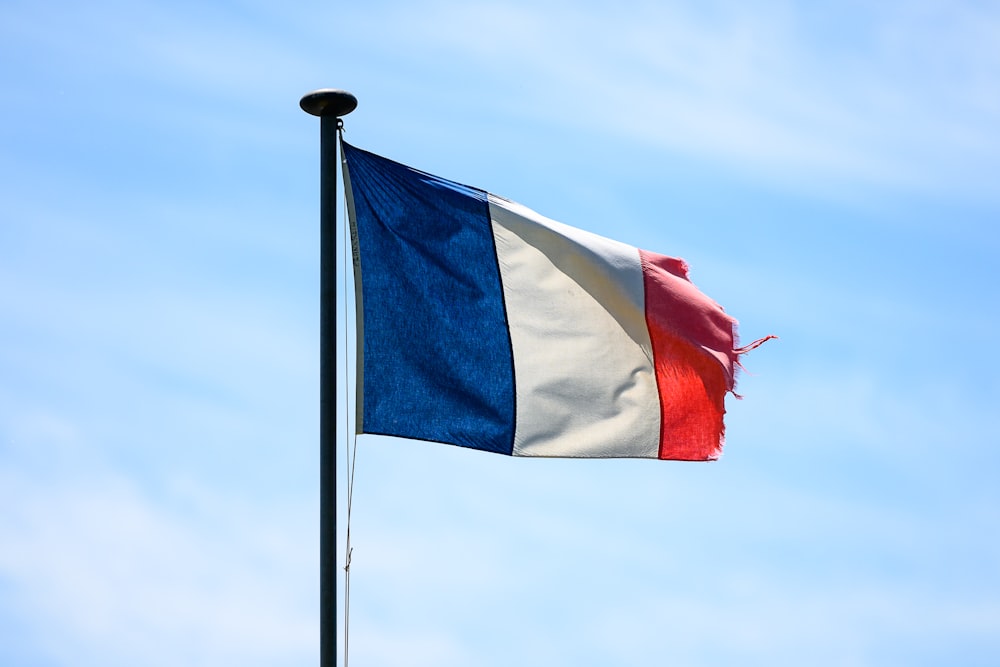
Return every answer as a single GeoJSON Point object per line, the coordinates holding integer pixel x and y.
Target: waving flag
{"type": "Point", "coordinates": [486, 325]}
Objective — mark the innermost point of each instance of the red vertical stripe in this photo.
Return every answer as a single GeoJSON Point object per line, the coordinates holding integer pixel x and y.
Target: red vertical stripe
{"type": "Point", "coordinates": [694, 357]}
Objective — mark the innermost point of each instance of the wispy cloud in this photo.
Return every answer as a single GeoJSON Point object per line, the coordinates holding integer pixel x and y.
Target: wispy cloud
{"type": "Point", "coordinates": [158, 268]}
{"type": "Point", "coordinates": [128, 577]}
{"type": "Point", "coordinates": [896, 96]}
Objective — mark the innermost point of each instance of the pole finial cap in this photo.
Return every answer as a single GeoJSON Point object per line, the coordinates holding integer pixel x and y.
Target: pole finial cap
{"type": "Point", "coordinates": [328, 102]}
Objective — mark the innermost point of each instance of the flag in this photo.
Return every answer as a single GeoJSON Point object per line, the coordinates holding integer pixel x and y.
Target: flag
{"type": "Point", "coordinates": [486, 325]}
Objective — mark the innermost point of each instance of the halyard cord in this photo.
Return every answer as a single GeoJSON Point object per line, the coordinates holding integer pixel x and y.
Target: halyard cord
{"type": "Point", "coordinates": [351, 451]}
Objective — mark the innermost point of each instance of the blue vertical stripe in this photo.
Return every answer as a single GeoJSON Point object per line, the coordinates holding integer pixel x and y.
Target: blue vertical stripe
{"type": "Point", "coordinates": [437, 356]}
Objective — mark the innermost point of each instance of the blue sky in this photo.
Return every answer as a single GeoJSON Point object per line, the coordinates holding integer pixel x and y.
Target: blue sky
{"type": "Point", "coordinates": [829, 170]}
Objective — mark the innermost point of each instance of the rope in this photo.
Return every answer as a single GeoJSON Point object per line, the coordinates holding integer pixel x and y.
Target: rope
{"type": "Point", "coordinates": [351, 450]}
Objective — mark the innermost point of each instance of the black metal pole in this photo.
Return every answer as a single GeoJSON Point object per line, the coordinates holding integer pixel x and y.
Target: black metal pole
{"type": "Point", "coordinates": [329, 105]}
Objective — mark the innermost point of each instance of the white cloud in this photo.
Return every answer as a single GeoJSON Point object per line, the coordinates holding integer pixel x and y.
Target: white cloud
{"type": "Point", "coordinates": [773, 89]}
{"type": "Point", "coordinates": [123, 577]}
{"type": "Point", "coordinates": [159, 337]}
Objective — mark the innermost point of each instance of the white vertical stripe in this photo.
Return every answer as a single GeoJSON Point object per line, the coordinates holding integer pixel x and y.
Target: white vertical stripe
{"type": "Point", "coordinates": [583, 367]}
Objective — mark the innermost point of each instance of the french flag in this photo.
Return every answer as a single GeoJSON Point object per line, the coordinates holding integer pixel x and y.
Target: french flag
{"type": "Point", "coordinates": [486, 325]}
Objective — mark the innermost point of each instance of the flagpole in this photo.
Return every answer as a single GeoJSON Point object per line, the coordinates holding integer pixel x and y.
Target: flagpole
{"type": "Point", "coordinates": [329, 105]}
